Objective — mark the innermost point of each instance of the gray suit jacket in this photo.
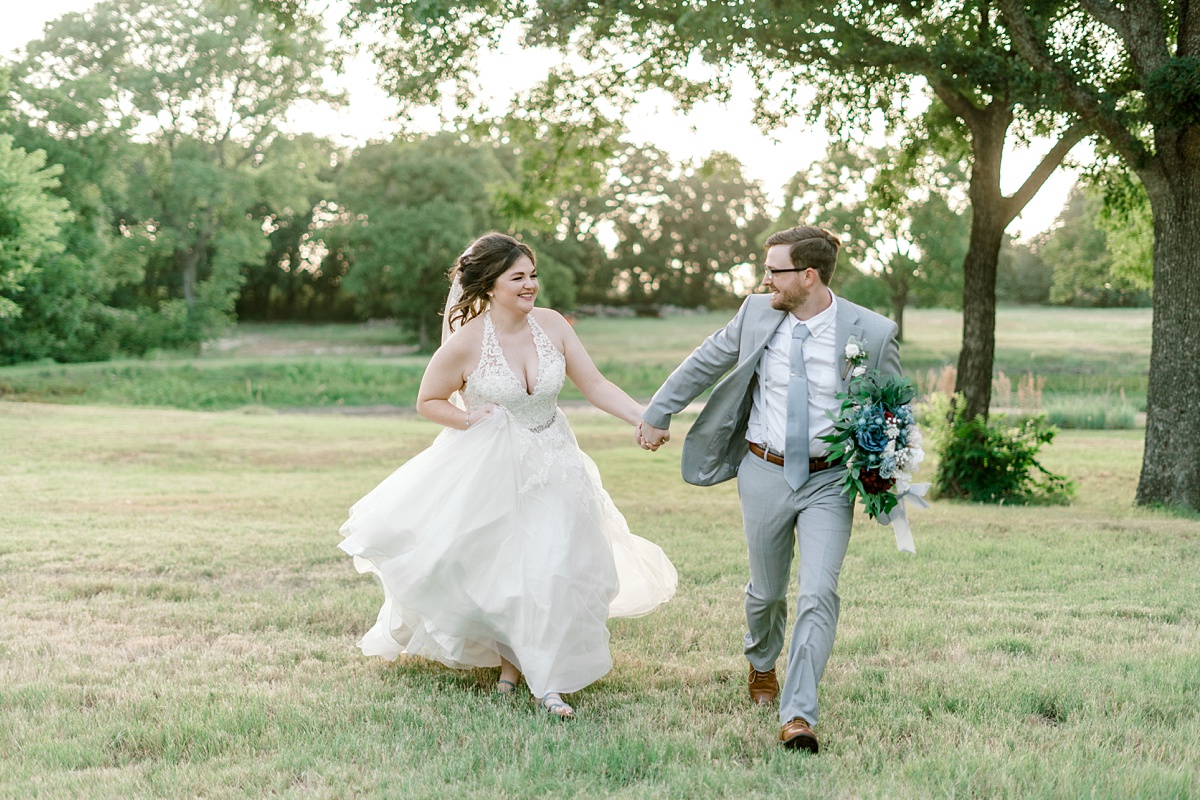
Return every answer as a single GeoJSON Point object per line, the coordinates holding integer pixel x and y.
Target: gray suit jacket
{"type": "Point", "coordinates": [716, 444]}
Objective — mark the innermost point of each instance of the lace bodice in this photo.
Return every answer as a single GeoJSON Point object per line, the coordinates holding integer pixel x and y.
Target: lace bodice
{"type": "Point", "coordinates": [494, 381]}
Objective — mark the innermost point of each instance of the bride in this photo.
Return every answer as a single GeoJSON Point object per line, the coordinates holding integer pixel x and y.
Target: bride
{"type": "Point", "coordinates": [498, 546]}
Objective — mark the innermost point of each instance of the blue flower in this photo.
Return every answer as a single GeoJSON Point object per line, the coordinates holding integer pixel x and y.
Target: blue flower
{"type": "Point", "coordinates": [872, 438]}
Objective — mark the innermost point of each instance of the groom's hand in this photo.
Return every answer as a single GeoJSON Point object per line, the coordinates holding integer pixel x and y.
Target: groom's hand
{"type": "Point", "coordinates": [651, 438]}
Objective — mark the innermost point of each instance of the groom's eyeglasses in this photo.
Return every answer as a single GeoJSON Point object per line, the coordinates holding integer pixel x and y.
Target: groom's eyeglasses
{"type": "Point", "coordinates": [774, 272]}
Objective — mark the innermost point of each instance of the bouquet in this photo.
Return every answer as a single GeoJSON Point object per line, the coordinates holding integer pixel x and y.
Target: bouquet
{"type": "Point", "coordinates": [876, 437]}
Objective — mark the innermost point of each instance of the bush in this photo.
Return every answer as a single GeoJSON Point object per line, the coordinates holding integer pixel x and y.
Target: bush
{"type": "Point", "coordinates": [988, 461]}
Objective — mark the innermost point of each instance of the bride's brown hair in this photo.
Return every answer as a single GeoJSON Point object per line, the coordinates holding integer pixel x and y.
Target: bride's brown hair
{"type": "Point", "coordinates": [478, 268]}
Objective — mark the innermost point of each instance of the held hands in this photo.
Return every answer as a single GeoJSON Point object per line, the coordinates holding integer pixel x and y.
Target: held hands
{"type": "Point", "coordinates": [651, 438]}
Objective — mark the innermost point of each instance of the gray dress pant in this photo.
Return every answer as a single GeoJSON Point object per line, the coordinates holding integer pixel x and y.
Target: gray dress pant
{"type": "Point", "coordinates": [816, 519]}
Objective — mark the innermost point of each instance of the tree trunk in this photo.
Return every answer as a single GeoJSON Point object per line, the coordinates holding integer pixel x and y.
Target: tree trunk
{"type": "Point", "coordinates": [190, 263]}
{"type": "Point", "coordinates": [989, 217]}
{"type": "Point", "coordinates": [978, 353]}
{"type": "Point", "coordinates": [423, 340]}
{"type": "Point", "coordinates": [899, 301]}
{"type": "Point", "coordinates": [1171, 461]}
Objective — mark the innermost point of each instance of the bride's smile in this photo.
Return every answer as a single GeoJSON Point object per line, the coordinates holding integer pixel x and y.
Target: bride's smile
{"type": "Point", "coordinates": [517, 288]}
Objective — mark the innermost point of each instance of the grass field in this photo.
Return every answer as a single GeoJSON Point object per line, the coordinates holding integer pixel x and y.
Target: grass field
{"type": "Point", "coordinates": [178, 623]}
{"type": "Point", "coordinates": [1089, 356]}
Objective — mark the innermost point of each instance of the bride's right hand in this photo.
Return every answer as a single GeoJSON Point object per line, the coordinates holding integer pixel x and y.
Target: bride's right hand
{"type": "Point", "coordinates": [476, 414]}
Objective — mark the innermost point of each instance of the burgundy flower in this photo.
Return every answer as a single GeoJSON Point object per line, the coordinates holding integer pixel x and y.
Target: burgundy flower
{"type": "Point", "coordinates": [873, 484]}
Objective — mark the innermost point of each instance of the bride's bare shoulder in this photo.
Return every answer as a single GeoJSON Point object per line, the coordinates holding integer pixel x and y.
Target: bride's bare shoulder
{"type": "Point", "coordinates": [551, 321]}
{"type": "Point", "coordinates": [465, 341]}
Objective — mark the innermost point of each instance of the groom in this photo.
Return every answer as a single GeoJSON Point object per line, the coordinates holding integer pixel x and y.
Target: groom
{"type": "Point", "coordinates": [785, 355]}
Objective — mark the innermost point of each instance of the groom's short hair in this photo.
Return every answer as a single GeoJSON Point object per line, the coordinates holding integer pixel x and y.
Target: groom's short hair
{"type": "Point", "coordinates": [810, 246]}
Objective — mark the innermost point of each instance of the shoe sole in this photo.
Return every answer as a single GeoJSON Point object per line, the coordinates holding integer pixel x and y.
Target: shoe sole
{"type": "Point", "coordinates": [802, 742]}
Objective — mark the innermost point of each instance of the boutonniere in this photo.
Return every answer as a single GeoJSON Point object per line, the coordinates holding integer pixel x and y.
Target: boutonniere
{"type": "Point", "coordinates": [856, 358]}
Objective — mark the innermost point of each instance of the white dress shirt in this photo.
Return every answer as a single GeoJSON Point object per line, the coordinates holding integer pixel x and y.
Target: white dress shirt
{"type": "Point", "coordinates": [768, 416]}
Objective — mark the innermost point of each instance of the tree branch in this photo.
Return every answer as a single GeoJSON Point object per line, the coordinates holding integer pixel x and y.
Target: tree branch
{"type": "Point", "coordinates": [1189, 29]}
{"type": "Point", "coordinates": [1078, 97]}
{"type": "Point", "coordinates": [1013, 204]}
{"type": "Point", "coordinates": [954, 100]}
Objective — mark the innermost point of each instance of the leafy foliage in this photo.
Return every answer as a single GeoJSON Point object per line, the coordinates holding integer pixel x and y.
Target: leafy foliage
{"type": "Point", "coordinates": [29, 219]}
{"type": "Point", "coordinates": [682, 230]}
{"type": "Point", "coordinates": [990, 462]}
{"type": "Point", "coordinates": [409, 209]}
{"type": "Point", "coordinates": [1078, 253]}
{"type": "Point", "coordinates": [297, 206]}
{"type": "Point", "coordinates": [890, 206]}
{"type": "Point", "coordinates": [167, 219]}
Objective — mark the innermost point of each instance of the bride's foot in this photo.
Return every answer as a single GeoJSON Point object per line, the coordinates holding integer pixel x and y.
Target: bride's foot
{"type": "Point", "coordinates": [553, 703]}
{"type": "Point", "coordinates": [509, 676]}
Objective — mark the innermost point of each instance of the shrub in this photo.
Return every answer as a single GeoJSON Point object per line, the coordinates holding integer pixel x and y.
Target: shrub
{"type": "Point", "coordinates": [991, 462]}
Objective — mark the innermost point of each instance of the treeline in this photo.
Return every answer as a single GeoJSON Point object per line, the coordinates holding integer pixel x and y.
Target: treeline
{"type": "Point", "coordinates": [148, 198]}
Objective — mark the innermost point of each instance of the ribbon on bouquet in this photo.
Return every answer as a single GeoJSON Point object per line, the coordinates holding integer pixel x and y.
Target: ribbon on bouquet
{"type": "Point", "coordinates": [898, 517]}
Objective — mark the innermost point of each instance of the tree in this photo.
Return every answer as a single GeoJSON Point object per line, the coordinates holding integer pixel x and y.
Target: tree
{"type": "Point", "coordinates": [1131, 71]}
{"type": "Point", "coordinates": [298, 205]}
{"type": "Point", "coordinates": [1128, 224]}
{"type": "Point", "coordinates": [1077, 251]}
{"type": "Point", "coordinates": [682, 229]}
{"type": "Point", "coordinates": [409, 209]}
{"type": "Point", "coordinates": [572, 242]}
{"type": "Point", "coordinates": [29, 220]}
{"type": "Point", "coordinates": [895, 221]}
{"type": "Point", "coordinates": [204, 83]}
{"type": "Point", "coordinates": [860, 55]}
{"type": "Point", "coordinates": [1023, 276]}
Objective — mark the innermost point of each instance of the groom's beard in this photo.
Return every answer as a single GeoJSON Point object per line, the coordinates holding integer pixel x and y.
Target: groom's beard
{"type": "Point", "coordinates": [784, 300]}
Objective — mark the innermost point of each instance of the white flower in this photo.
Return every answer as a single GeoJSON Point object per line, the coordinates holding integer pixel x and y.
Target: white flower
{"type": "Point", "coordinates": [858, 371]}
{"type": "Point", "coordinates": [852, 351]}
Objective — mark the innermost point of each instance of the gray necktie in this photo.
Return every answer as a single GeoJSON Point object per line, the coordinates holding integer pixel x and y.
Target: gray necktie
{"type": "Point", "coordinates": [795, 450]}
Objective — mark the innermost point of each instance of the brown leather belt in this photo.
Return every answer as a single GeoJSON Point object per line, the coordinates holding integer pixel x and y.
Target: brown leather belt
{"type": "Point", "coordinates": [814, 464]}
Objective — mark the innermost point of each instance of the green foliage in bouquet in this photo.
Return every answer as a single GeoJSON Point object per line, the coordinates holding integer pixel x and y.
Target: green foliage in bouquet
{"type": "Point", "coordinates": [990, 462]}
{"type": "Point", "coordinates": [876, 437]}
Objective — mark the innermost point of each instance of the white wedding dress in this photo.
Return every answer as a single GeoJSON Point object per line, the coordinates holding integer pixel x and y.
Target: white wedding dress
{"type": "Point", "coordinates": [500, 540]}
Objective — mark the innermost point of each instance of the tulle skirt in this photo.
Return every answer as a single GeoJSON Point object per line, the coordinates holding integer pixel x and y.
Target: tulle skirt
{"type": "Point", "coordinates": [501, 541]}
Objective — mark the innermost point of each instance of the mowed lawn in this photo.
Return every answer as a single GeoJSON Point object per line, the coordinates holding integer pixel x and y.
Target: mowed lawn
{"type": "Point", "coordinates": [177, 622]}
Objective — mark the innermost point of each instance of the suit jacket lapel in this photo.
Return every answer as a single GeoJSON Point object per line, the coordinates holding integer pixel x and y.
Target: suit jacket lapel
{"type": "Point", "coordinates": [764, 327]}
{"type": "Point", "coordinates": [847, 326]}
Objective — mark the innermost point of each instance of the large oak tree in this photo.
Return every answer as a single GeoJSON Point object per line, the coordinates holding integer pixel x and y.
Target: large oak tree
{"type": "Point", "coordinates": [1131, 71]}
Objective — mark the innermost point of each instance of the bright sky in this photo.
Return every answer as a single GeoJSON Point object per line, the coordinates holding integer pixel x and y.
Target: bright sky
{"type": "Point", "coordinates": [709, 127]}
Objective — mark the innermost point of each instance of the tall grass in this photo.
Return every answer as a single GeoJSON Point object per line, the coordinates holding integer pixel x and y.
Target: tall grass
{"type": "Point", "coordinates": [1107, 411]}
{"type": "Point", "coordinates": [178, 623]}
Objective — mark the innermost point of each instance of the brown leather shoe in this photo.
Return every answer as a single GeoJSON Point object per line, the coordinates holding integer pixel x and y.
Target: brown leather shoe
{"type": "Point", "coordinates": [763, 687]}
{"type": "Point", "coordinates": [796, 735]}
